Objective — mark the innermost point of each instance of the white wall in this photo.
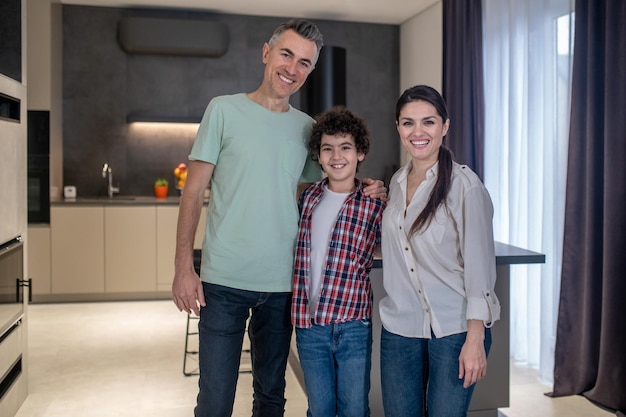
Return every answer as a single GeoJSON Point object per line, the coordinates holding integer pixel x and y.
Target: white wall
{"type": "Point", "coordinates": [39, 54]}
{"type": "Point", "coordinates": [421, 52]}
{"type": "Point", "coordinates": [421, 49]}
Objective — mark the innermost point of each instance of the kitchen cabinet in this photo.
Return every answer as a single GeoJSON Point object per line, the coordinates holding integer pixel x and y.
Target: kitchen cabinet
{"type": "Point", "coordinates": [107, 250]}
{"type": "Point", "coordinates": [167, 218]}
{"type": "Point", "coordinates": [13, 373]}
{"type": "Point", "coordinates": [197, 243]}
{"type": "Point", "coordinates": [13, 352]}
{"type": "Point", "coordinates": [130, 249]}
{"type": "Point", "coordinates": [77, 249]}
{"type": "Point", "coordinates": [39, 259]}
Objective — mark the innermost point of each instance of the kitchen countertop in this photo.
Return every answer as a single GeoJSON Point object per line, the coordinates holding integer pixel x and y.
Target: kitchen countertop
{"type": "Point", "coordinates": [118, 200]}
{"type": "Point", "coordinates": [505, 255]}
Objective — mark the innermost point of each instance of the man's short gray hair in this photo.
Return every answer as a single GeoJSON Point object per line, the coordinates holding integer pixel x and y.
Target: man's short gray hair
{"type": "Point", "coordinates": [303, 28]}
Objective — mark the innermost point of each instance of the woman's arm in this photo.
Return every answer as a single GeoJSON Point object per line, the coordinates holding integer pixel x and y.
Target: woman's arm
{"type": "Point", "coordinates": [473, 358]}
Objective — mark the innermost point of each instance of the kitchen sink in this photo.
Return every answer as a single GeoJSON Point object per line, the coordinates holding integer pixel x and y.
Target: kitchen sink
{"type": "Point", "coordinates": [104, 199]}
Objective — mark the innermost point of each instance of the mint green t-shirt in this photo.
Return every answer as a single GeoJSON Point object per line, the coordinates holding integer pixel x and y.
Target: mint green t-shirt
{"type": "Point", "coordinates": [252, 221]}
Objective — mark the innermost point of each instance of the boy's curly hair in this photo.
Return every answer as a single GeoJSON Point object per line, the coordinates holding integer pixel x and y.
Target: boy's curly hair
{"type": "Point", "coordinates": [339, 120]}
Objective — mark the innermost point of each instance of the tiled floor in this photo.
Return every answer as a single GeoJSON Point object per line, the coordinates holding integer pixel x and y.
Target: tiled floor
{"type": "Point", "coordinates": [528, 399]}
{"type": "Point", "coordinates": [125, 359]}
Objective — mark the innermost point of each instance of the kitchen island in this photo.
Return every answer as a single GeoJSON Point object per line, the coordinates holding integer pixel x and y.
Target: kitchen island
{"type": "Point", "coordinates": [492, 392]}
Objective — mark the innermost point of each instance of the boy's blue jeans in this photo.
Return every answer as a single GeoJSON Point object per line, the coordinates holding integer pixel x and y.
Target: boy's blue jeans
{"type": "Point", "coordinates": [221, 329]}
{"type": "Point", "coordinates": [417, 374]}
{"type": "Point", "coordinates": [336, 360]}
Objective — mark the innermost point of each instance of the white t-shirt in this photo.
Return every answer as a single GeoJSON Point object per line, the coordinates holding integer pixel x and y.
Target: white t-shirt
{"type": "Point", "coordinates": [323, 221]}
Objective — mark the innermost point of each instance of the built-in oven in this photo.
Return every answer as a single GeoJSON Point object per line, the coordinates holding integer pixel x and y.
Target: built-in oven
{"type": "Point", "coordinates": [38, 166]}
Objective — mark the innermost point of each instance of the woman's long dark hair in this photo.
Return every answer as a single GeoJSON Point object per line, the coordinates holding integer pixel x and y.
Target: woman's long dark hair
{"type": "Point", "coordinates": [444, 176]}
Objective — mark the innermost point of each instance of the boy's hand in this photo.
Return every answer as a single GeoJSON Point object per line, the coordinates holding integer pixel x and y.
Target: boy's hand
{"type": "Point", "coordinates": [375, 188]}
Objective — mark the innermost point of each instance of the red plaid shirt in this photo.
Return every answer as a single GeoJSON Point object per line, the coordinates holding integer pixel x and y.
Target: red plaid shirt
{"type": "Point", "coordinates": [346, 293]}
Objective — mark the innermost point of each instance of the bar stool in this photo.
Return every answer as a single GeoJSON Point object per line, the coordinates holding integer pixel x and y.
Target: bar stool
{"type": "Point", "coordinates": [191, 365]}
{"type": "Point", "coordinates": [191, 355]}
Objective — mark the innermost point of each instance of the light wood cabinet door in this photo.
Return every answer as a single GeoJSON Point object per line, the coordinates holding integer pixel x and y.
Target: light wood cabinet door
{"type": "Point", "coordinates": [167, 220]}
{"type": "Point", "coordinates": [77, 250]}
{"type": "Point", "coordinates": [12, 347]}
{"type": "Point", "coordinates": [130, 249]}
{"type": "Point", "coordinates": [197, 243]}
{"type": "Point", "coordinates": [38, 242]}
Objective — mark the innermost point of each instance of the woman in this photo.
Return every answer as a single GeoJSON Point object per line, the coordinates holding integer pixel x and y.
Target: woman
{"type": "Point", "coordinates": [439, 271]}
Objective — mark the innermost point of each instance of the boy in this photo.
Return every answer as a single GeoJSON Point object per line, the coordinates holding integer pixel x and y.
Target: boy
{"type": "Point", "coordinates": [332, 297]}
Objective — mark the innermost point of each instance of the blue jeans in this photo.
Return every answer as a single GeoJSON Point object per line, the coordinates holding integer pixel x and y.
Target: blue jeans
{"type": "Point", "coordinates": [336, 360]}
{"type": "Point", "coordinates": [221, 329]}
{"type": "Point", "coordinates": [420, 377]}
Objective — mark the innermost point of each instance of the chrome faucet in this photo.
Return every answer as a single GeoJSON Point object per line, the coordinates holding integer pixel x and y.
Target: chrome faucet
{"type": "Point", "coordinates": [106, 171]}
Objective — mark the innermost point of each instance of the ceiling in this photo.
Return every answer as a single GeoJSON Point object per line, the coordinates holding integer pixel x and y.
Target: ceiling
{"type": "Point", "coordinates": [371, 11]}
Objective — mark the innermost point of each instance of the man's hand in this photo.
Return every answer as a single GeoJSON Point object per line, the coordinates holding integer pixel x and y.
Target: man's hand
{"type": "Point", "coordinates": [187, 292]}
{"type": "Point", "coordinates": [375, 188]}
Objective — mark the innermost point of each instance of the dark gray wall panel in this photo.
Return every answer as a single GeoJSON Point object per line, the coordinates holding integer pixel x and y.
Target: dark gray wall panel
{"type": "Point", "coordinates": [102, 85]}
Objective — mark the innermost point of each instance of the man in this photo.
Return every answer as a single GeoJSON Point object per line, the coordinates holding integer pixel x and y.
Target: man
{"type": "Point", "coordinates": [252, 149]}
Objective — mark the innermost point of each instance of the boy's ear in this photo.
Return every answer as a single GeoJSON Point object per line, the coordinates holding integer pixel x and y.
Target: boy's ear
{"type": "Point", "coordinates": [360, 157]}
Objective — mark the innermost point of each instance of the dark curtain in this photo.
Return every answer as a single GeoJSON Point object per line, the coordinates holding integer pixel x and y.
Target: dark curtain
{"type": "Point", "coordinates": [463, 81]}
{"type": "Point", "coordinates": [590, 354]}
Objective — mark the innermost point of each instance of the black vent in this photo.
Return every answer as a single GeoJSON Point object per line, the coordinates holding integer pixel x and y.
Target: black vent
{"type": "Point", "coordinates": [326, 86]}
{"type": "Point", "coordinates": [173, 37]}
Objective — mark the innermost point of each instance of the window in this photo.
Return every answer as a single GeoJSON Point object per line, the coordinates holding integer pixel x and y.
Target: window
{"type": "Point", "coordinates": [527, 48]}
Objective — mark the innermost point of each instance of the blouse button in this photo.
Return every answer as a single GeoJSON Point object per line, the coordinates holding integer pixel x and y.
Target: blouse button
{"type": "Point", "coordinates": [412, 270]}
{"type": "Point", "coordinates": [406, 248]}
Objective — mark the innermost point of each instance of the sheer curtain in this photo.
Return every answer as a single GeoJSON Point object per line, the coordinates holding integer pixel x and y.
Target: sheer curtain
{"type": "Point", "coordinates": [527, 66]}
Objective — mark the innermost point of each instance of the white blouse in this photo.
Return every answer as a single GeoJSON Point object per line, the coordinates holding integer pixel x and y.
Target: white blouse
{"type": "Point", "coordinates": [441, 277]}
